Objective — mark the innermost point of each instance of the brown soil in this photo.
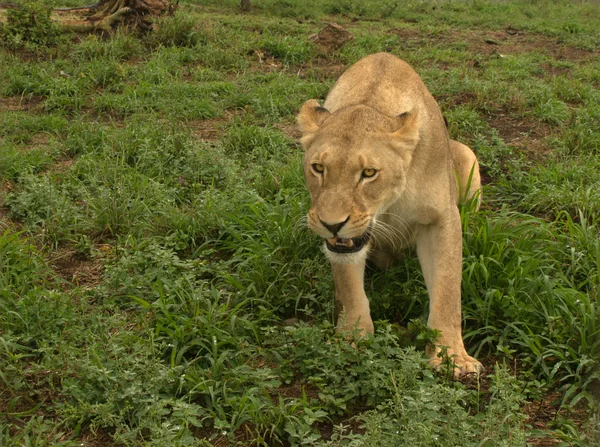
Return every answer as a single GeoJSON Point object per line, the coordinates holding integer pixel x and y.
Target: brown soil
{"type": "Point", "coordinates": [322, 68]}
{"type": "Point", "coordinates": [512, 129]}
{"type": "Point", "coordinates": [63, 165]}
{"type": "Point", "coordinates": [264, 61]}
{"type": "Point", "coordinates": [210, 130]}
{"type": "Point", "coordinates": [37, 140]}
{"type": "Point", "coordinates": [555, 71]}
{"type": "Point", "coordinates": [502, 43]}
{"type": "Point", "coordinates": [97, 438]}
{"type": "Point", "coordinates": [523, 134]}
{"type": "Point", "coordinates": [543, 412]}
{"type": "Point", "coordinates": [21, 103]}
{"type": "Point", "coordinates": [290, 129]}
{"type": "Point", "coordinates": [458, 99]}
{"type": "Point", "coordinates": [4, 213]}
{"type": "Point", "coordinates": [75, 270]}
{"type": "Point", "coordinates": [518, 42]}
{"type": "Point", "coordinates": [331, 37]}
{"type": "Point", "coordinates": [5, 220]}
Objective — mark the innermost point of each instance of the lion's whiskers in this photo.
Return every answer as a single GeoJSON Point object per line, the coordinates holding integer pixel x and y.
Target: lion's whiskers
{"type": "Point", "coordinates": [392, 234]}
{"type": "Point", "coordinates": [385, 232]}
{"type": "Point", "coordinates": [389, 234]}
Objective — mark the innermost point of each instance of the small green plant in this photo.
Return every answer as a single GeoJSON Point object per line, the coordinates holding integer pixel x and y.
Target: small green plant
{"type": "Point", "coordinates": [83, 247]}
{"type": "Point", "coordinates": [29, 26]}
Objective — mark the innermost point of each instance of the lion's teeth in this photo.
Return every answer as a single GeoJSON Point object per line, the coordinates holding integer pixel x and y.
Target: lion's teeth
{"type": "Point", "coordinates": [345, 242]}
{"type": "Point", "coordinates": [341, 242]}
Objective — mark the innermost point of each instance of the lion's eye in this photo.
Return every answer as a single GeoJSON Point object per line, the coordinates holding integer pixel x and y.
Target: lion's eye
{"type": "Point", "coordinates": [318, 168]}
{"type": "Point", "coordinates": [369, 172]}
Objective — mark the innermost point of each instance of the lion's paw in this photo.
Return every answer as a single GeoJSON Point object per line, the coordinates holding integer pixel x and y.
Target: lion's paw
{"type": "Point", "coordinates": [461, 363]}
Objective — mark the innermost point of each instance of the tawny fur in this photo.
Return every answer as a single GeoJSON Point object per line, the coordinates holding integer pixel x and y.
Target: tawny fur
{"type": "Point", "coordinates": [379, 115]}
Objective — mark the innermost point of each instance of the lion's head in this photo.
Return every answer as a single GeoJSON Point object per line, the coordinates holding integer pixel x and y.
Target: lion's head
{"type": "Point", "coordinates": [355, 164]}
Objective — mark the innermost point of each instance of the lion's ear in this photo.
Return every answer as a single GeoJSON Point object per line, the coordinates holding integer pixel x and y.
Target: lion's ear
{"type": "Point", "coordinates": [408, 133]}
{"type": "Point", "coordinates": [310, 118]}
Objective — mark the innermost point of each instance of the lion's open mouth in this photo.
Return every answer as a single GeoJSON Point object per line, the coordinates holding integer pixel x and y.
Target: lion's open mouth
{"type": "Point", "coordinates": [347, 245]}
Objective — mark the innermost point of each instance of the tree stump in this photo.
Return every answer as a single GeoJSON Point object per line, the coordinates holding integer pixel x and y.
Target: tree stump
{"type": "Point", "coordinates": [107, 14]}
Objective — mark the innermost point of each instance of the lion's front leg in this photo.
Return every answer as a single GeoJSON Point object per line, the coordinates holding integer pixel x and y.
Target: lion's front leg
{"type": "Point", "coordinates": [439, 248]}
{"type": "Point", "coordinates": [351, 298]}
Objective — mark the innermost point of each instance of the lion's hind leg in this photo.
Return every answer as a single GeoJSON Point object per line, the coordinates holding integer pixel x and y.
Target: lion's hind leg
{"type": "Point", "coordinates": [467, 170]}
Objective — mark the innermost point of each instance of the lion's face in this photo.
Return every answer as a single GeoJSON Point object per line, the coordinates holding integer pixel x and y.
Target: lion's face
{"type": "Point", "coordinates": [355, 166]}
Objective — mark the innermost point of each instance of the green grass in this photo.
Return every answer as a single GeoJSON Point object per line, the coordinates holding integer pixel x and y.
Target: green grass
{"type": "Point", "coordinates": [153, 245]}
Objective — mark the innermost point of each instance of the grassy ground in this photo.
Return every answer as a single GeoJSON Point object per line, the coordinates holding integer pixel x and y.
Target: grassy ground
{"type": "Point", "coordinates": [153, 252]}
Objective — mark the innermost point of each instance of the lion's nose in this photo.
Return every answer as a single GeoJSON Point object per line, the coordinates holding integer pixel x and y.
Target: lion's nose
{"type": "Point", "coordinates": [334, 228]}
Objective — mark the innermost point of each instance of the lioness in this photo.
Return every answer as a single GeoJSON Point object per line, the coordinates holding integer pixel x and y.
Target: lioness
{"type": "Point", "coordinates": [382, 174]}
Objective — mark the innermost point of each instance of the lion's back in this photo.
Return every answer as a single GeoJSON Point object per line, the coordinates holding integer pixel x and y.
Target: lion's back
{"type": "Point", "coordinates": [381, 81]}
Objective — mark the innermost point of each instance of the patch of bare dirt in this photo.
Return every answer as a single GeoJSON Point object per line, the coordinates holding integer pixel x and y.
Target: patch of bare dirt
{"type": "Point", "coordinates": [265, 61]}
{"type": "Point", "coordinates": [407, 33]}
{"type": "Point", "coordinates": [351, 425]}
{"type": "Point", "coordinates": [63, 165]}
{"type": "Point", "coordinates": [291, 130]}
{"type": "Point", "coordinates": [555, 71]}
{"type": "Point", "coordinates": [4, 212]}
{"type": "Point", "coordinates": [75, 270]}
{"type": "Point", "coordinates": [501, 43]}
{"type": "Point", "coordinates": [322, 69]}
{"type": "Point", "coordinates": [39, 139]}
{"type": "Point", "coordinates": [511, 128]}
{"type": "Point", "coordinates": [36, 140]}
{"type": "Point", "coordinates": [210, 129]}
{"type": "Point", "coordinates": [5, 220]}
{"type": "Point", "coordinates": [296, 390]}
{"type": "Point", "coordinates": [518, 42]}
{"type": "Point", "coordinates": [543, 412]}
{"type": "Point", "coordinates": [21, 103]}
{"type": "Point", "coordinates": [522, 133]}
{"type": "Point", "coordinates": [98, 438]}
{"type": "Point", "coordinates": [206, 130]}
{"type": "Point", "coordinates": [454, 100]}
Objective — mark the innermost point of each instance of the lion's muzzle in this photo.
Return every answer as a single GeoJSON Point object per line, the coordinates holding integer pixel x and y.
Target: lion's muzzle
{"type": "Point", "coordinates": [347, 245]}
